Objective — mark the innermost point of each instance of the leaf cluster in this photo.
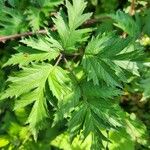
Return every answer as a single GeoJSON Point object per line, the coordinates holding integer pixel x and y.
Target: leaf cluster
{"type": "Point", "coordinates": [70, 81]}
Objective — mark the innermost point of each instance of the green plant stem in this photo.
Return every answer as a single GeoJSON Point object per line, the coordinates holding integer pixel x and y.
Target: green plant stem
{"type": "Point", "coordinates": [58, 60]}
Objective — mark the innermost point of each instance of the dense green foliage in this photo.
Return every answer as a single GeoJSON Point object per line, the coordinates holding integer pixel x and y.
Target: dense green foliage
{"type": "Point", "coordinates": [74, 74]}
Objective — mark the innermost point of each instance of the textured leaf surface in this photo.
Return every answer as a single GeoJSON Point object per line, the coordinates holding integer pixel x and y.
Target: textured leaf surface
{"type": "Point", "coordinates": [11, 21]}
{"type": "Point", "coordinates": [95, 113]}
{"type": "Point", "coordinates": [91, 117]}
{"type": "Point", "coordinates": [67, 29]}
{"type": "Point", "coordinates": [108, 56]}
{"type": "Point", "coordinates": [39, 49]}
{"type": "Point", "coordinates": [28, 86]}
{"type": "Point", "coordinates": [34, 18]}
{"type": "Point", "coordinates": [126, 23]}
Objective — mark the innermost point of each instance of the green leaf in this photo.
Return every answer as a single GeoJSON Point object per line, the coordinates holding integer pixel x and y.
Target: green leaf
{"type": "Point", "coordinates": [38, 113]}
{"type": "Point", "coordinates": [68, 32]}
{"type": "Point", "coordinates": [92, 116]}
{"type": "Point", "coordinates": [96, 91]}
{"type": "Point", "coordinates": [34, 16]}
{"type": "Point", "coordinates": [126, 23]}
{"type": "Point", "coordinates": [75, 13]}
{"type": "Point", "coordinates": [58, 81]}
{"type": "Point", "coordinates": [120, 140]}
{"type": "Point", "coordinates": [42, 43]}
{"type": "Point", "coordinates": [39, 49]}
{"type": "Point", "coordinates": [31, 79]}
{"type": "Point", "coordinates": [26, 99]}
{"type": "Point", "coordinates": [107, 57]}
{"type": "Point", "coordinates": [11, 21]}
{"type": "Point", "coordinates": [39, 16]}
{"type": "Point", "coordinates": [62, 142]}
{"type": "Point", "coordinates": [68, 104]}
{"type": "Point", "coordinates": [95, 112]}
{"type": "Point", "coordinates": [28, 86]}
{"type": "Point", "coordinates": [4, 140]}
{"type": "Point", "coordinates": [76, 121]}
{"type": "Point", "coordinates": [26, 80]}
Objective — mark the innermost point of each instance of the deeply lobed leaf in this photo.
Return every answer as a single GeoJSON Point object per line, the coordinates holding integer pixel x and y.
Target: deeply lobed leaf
{"type": "Point", "coordinates": [107, 57]}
